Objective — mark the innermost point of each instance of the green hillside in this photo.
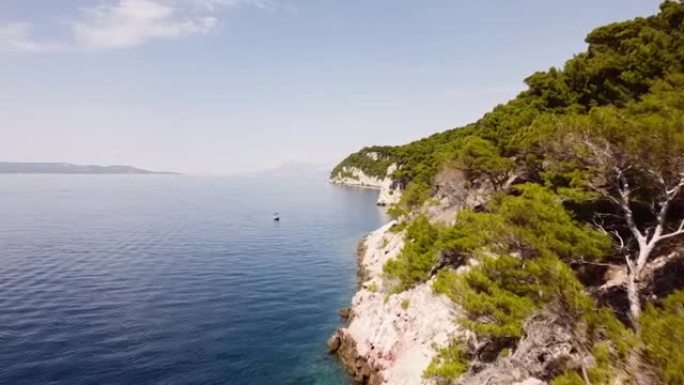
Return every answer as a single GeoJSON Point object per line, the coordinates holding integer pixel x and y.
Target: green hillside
{"type": "Point", "coordinates": [598, 150]}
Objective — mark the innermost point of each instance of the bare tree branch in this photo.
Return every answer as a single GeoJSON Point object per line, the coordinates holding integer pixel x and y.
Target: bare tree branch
{"type": "Point", "coordinates": [679, 231]}
{"type": "Point", "coordinates": [625, 197]}
{"type": "Point", "coordinates": [614, 165]}
{"type": "Point", "coordinates": [622, 241]}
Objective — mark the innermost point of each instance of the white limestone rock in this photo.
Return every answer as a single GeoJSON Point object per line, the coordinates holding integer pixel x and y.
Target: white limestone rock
{"type": "Point", "coordinates": [397, 335]}
{"type": "Point", "coordinates": [352, 176]}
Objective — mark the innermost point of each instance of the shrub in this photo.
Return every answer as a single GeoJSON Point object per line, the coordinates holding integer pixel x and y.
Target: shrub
{"type": "Point", "coordinates": [414, 262]}
{"type": "Point", "coordinates": [662, 333]}
{"type": "Point", "coordinates": [396, 211]}
{"type": "Point", "coordinates": [497, 295]}
{"type": "Point", "coordinates": [533, 222]}
{"type": "Point", "coordinates": [479, 158]}
{"type": "Point", "coordinates": [475, 231]}
{"type": "Point", "coordinates": [362, 160]}
{"type": "Point", "coordinates": [570, 378]}
{"type": "Point", "coordinates": [373, 288]}
{"type": "Point", "coordinates": [540, 224]}
{"type": "Point", "coordinates": [414, 196]}
{"type": "Point", "coordinates": [503, 290]}
{"type": "Point", "coordinates": [449, 363]}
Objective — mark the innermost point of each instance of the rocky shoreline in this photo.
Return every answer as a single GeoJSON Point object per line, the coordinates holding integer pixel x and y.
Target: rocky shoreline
{"type": "Point", "coordinates": [352, 176]}
{"type": "Point", "coordinates": [344, 345]}
{"type": "Point", "coordinates": [391, 339]}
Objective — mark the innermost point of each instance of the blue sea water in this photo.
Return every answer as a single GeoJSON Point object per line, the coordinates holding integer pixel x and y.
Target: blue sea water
{"type": "Point", "coordinates": [168, 279]}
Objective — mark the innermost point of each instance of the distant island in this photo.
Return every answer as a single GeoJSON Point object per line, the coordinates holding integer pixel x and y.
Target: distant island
{"type": "Point", "coordinates": [68, 168]}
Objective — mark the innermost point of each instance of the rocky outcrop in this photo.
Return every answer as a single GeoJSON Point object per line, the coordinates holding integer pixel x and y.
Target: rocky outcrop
{"type": "Point", "coordinates": [353, 176]}
{"type": "Point", "coordinates": [547, 349]}
{"type": "Point", "coordinates": [391, 339]}
{"type": "Point", "coordinates": [454, 192]}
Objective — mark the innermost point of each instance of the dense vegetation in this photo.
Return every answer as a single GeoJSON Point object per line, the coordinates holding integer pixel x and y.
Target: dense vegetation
{"type": "Point", "coordinates": [596, 149]}
{"type": "Point", "coordinates": [523, 268]}
{"type": "Point", "coordinates": [373, 161]}
{"type": "Point", "coordinates": [663, 334]}
{"type": "Point", "coordinates": [622, 63]}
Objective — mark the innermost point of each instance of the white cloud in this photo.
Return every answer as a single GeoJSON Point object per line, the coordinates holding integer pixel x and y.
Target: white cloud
{"type": "Point", "coordinates": [134, 22]}
{"type": "Point", "coordinates": [214, 4]}
{"type": "Point", "coordinates": [126, 23]}
{"type": "Point", "coordinates": [17, 37]}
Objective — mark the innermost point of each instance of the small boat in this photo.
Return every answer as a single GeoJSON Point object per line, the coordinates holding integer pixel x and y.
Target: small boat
{"type": "Point", "coordinates": [276, 217]}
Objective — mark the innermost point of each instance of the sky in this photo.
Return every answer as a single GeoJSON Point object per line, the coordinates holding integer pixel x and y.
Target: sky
{"type": "Point", "coordinates": [233, 86]}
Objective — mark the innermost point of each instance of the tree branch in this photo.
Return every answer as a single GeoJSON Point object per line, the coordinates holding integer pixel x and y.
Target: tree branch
{"type": "Point", "coordinates": [580, 262]}
{"type": "Point", "coordinates": [625, 192]}
{"type": "Point", "coordinates": [664, 207]}
{"type": "Point", "coordinates": [622, 241]}
{"type": "Point", "coordinates": [679, 231]}
{"type": "Point", "coordinates": [675, 190]}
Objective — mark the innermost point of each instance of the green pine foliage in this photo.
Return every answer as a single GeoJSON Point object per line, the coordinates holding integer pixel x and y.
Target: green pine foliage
{"type": "Point", "coordinates": [497, 308]}
{"type": "Point", "coordinates": [412, 198]}
{"type": "Point", "coordinates": [622, 64]}
{"type": "Point", "coordinates": [498, 295]}
{"type": "Point", "coordinates": [501, 291]}
{"type": "Point", "coordinates": [479, 158]}
{"type": "Point", "coordinates": [504, 290]}
{"type": "Point", "coordinates": [570, 378]}
{"type": "Point", "coordinates": [646, 137]}
{"type": "Point", "coordinates": [662, 332]}
{"type": "Point", "coordinates": [540, 225]}
{"type": "Point", "coordinates": [450, 362]}
{"type": "Point", "coordinates": [419, 254]}
{"type": "Point", "coordinates": [369, 166]}
{"type": "Point", "coordinates": [533, 222]}
{"type": "Point", "coordinates": [476, 232]}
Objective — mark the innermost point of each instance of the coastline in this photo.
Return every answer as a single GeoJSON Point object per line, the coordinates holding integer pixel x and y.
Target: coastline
{"type": "Point", "coordinates": [391, 339]}
{"type": "Point", "coordinates": [355, 177]}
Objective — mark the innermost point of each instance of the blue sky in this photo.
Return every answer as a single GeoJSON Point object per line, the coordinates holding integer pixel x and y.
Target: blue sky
{"type": "Point", "coordinates": [226, 86]}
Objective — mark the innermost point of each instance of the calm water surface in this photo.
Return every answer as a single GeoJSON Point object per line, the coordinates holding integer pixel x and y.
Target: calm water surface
{"type": "Point", "coordinates": [175, 279]}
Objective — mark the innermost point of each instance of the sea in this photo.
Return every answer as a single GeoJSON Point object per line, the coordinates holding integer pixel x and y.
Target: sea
{"type": "Point", "coordinates": [176, 279]}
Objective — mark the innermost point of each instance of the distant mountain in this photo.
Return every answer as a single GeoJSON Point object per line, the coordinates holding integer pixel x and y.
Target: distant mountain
{"type": "Point", "coordinates": [68, 168]}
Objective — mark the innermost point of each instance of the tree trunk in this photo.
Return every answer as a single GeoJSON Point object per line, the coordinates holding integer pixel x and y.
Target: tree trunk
{"type": "Point", "coordinates": [634, 269]}
{"type": "Point", "coordinates": [633, 298]}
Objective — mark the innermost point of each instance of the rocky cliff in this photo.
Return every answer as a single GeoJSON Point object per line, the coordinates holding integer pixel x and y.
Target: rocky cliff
{"type": "Point", "coordinates": [391, 339]}
{"type": "Point", "coordinates": [354, 176]}
{"type": "Point", "coordinates": [554, 226]}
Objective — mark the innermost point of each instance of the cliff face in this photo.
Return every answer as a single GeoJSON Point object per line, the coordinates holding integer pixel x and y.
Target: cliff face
{"type": "Point", "coordinates": [571, 239]}
{"type": "Point", "coordinates": [391, 339]}
{"type": "Point", "coordinates": [354, 176]}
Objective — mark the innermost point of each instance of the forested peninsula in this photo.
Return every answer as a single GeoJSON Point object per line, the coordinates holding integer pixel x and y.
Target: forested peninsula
{"type": "Point", "coordinates": [543, 243]}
